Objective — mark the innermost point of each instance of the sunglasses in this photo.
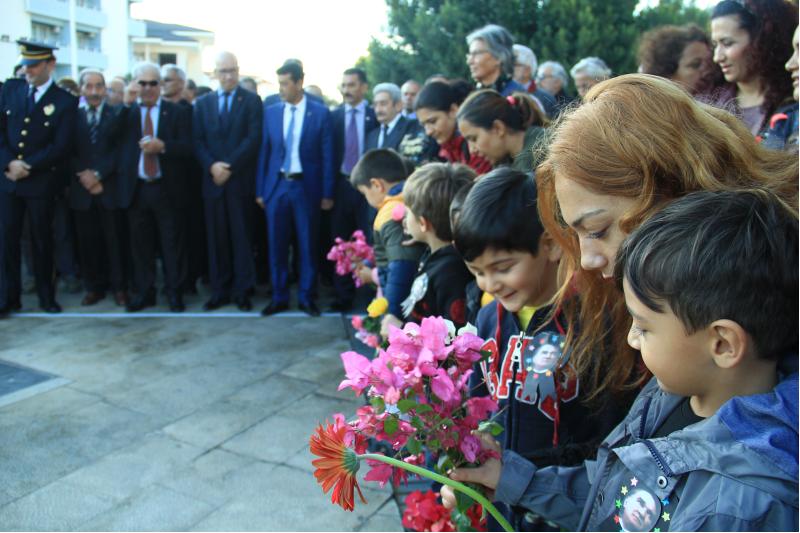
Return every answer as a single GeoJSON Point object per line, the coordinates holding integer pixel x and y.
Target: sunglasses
{"type": "Point", "coordinates": [151, 83]}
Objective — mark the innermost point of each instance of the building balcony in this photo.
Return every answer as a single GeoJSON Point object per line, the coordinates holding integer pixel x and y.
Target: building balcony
{"type": "Point", "coordinates": [59, 9]}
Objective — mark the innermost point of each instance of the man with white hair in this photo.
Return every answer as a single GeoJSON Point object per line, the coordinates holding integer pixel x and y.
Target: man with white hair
{"type": "Point", "coordinates": [588, 72]}
{"type": "Point", "coordinates": [525, 65]}
{"type": "Point", "coordinates": [553, 78]}
{"type": "Point", "coordinates": [153, 187]}
{"type": "Point", "coordinates": [387, 99]}
{"type": "Point", "coordinates": [173, 82]}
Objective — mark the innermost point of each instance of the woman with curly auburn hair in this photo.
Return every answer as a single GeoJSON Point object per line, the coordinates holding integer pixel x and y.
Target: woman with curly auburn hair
{"type": "Point", "coordinates": [611, 164]}
{"type": "Point", "coordinates": [752, 41]}
{"type": "Point", "coordinates": [681, 54]}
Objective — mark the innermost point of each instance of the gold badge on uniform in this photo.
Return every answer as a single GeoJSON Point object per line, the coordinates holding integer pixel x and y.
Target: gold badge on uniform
{"type": "Point", "coordinates": [49, 109]}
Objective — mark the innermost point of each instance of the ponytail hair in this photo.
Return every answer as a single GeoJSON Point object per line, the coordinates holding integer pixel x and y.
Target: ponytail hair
{"type": "Point", "coordinates": [518, 112]}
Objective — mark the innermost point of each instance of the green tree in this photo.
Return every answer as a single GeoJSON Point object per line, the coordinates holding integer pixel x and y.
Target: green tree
{"type": "Point", "coordinates": [428, 36]}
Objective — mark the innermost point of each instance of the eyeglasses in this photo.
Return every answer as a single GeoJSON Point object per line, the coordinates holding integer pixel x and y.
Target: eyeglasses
{"type": "Point", "coordinates": [168, 80]}
{"type": "Point", "coordinates": [224, 71]}
{"type": "Point", "coordinates": [151, 83]}
{"type": "Point", "coordinates": [476, 53]}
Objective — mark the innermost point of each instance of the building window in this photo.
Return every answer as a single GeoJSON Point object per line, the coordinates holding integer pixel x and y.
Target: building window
{"type": "Point", "coordinates": [88, 40]}
{"type": "Point", "coordinates": [165, 59]}
{"type": "Point", "coordinates": [89, 4]}
{"type": "Point", "coordinates": [47, 33]}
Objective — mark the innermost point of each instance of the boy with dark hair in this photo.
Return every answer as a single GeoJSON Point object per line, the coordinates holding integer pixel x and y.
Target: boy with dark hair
{"type": "Point", "coordinates": [380, 176]}
{"type": "Point", "coordinates": [711, 284]}
{"type": "Point", "coordinates": [438, 289]}
{"type": "Point", "coordinates": [504, 245]}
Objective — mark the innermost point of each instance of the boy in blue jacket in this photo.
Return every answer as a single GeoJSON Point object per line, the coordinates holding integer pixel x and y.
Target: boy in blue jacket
{"type": "Point", "coordinates": [380, 175]}
{"type": "Point", "coordinates": [542, 411]}
{"type": "Point", "coordinates": [711, 441]}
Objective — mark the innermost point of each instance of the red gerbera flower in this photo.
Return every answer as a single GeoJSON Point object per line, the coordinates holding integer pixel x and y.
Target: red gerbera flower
{"type": "Point", "coordinates": [337, 465]}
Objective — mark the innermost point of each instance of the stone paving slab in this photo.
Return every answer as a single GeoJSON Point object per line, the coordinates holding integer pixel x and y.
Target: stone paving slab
{"type": "Point", "coordinates": [155, 508]}
{"type": "Point", "coordinates": [175, 423]}
{"type": "Point", "coordinates": [58, 506]}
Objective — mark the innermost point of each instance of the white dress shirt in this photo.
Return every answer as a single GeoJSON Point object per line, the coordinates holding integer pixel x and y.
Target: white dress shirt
{"type": "Point", "coordinates": [299, 114]}
{"type": "Point", "coordinates": [389, 127]}
{"type": "Point", "coordinates": [41, 89]}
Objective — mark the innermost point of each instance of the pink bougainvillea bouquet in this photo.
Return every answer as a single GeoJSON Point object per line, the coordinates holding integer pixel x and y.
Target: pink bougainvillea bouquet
{"type": "Point", "coordinates": [419, 401]}
{"type": "Point", "coordinates": [350, 254]}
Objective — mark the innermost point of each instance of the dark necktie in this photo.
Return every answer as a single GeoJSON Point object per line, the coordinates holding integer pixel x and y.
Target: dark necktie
{"type": "Point", "coordinates": [150, 160]}
{"type": "Point", "coordinates": [351, 144]}
{"type": "Point", "coordinates": [31, 101]}
{"type": "Point", "coordinates": [94, 125]}
{"type": "Point", "coordinates": [384, 134]}
{"type": "Point", "coordinates": [224, 114]}
{"type": "Point", "coordinates": [287, 144]}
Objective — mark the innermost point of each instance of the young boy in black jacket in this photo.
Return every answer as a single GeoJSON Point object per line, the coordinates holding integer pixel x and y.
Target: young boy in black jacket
{"type": "Point", "coordinates": [438, 289]}
{"type": "Point", "coordinates": [504, 245]}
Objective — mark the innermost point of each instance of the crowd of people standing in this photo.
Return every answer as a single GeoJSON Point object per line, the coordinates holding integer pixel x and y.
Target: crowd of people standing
{"type": "Point", "coordinates": [629, 257]}
{"type": "Point", "coordinates": [105, 176]}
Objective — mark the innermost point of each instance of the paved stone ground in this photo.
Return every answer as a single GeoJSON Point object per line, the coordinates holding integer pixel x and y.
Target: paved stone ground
{"type": "Point", "coordinates": [190, 423]}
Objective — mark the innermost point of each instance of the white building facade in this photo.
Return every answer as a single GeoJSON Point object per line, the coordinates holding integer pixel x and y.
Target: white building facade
{"type": "Point", "coordinates": [106, 37]}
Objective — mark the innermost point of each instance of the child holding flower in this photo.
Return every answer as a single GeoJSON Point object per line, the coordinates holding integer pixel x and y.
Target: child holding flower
{"type": "Point", "coordinates": [512, 258]}
{"type": "Point", "coordinates": [380, 176]}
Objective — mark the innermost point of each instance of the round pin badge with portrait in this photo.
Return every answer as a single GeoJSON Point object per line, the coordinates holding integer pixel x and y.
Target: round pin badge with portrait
{"type": "Point", "coordinates": [544, 354]}
{"type": "Point", "coordinates": [637, 508]}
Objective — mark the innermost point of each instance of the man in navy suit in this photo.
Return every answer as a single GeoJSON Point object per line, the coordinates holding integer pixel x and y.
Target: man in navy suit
{"type": "Point", "coordinates": [352, 122]}
{"type": "Point", "coordinates": [99, 223]}
{"type": "Point", "coordinates": [388, 102]}
{"type": "Point", "coordinates": [227, 135]}
{"type": "Point", "coordinates": [294, 181]}
{"type": "Point", "coordinates": [152, 186]}
{"type": "Point", "coordinates": [37, 121]}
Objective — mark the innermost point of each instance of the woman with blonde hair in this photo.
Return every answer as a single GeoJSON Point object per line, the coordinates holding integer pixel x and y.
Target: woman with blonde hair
{"type": "Point", "coordinates": [636, 143]}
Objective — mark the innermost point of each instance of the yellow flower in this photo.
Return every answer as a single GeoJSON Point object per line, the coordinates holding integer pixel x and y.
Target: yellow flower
{"type": "Point", "coordinates": [378, 307]}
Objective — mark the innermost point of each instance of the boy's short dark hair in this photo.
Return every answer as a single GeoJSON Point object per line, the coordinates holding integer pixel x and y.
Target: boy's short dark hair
{"type": "Point", "coordinates": [293, 68]}
{"type": "Point", "coordinates": [431, 189]}
{"type": "Point", "coordinates": [500, 213]}
{"type": "Point", "coordinates": [720, 255]}
{"type": "Point", "coordinates": [380, 163]}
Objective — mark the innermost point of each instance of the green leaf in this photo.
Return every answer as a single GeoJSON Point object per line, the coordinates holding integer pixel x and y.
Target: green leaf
{"type": "Point", "coordinates": [461, 520]}
{"type": "Point", "coordinates": [390, 426]}
{"type": "Point", "coordinates": [463, 502]}
{"type": "Point", "coordinates": [491, 427]}
{"type": "Point", "coordinates": [418, 423]}
{"type": "Point", "coordinates": [423, 408]}
{"type": "Point", "coordinates": [378, 403]}
{"type": "Point", "coordinates": [413, 446]}
{"type": "Point", "coordinates": [406, 405]}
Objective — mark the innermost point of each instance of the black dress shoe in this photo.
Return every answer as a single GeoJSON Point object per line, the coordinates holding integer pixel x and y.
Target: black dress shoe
{"type": "Point", "coordinates": [310, 308]}
{"type": "Point", "coordinates": [50, 306]}
{"type": "Point", "coordinates": [176, 303]}
{"type": "Point", "coordinates": [244, 304]}
{"type": "Point", "coordinates": [274, 307]}
{"type": "Point", "coordinates": [139, 303]}
{"type": "Point", "coordinates": [216, 302]}
{"type": "Point", "coordinates": [341, 307]}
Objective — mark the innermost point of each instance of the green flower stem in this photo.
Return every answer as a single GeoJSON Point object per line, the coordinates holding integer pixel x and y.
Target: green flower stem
{"type": "Point", "coordinates": [424, 472]}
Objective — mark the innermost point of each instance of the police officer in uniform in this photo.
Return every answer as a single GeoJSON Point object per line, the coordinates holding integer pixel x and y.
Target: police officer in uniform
{"type": "Point", "coordinates": [37, 119]}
